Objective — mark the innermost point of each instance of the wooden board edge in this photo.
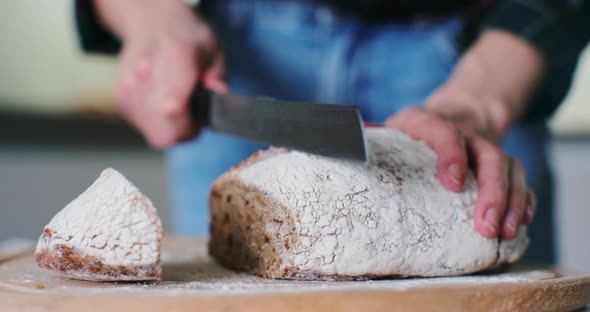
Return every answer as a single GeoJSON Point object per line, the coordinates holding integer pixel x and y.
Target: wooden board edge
{"type": "Point", "coordinates": [567, 292]}
{"type": "Point", "coordinates": [560, 295]}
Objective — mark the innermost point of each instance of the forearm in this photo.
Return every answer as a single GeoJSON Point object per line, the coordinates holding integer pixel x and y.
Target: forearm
{"type": "Point", "coordinates": [502, 69]}
{"type": "Point", "coordinates": [114, 15]}
{"type": "Point", "coordinates": [123, 18]}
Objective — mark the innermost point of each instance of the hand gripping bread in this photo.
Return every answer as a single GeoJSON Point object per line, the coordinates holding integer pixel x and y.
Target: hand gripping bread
{"type": "Point", "coordinates": [111, 232]}
{"type": "Point", "coordinates": [287, 214]}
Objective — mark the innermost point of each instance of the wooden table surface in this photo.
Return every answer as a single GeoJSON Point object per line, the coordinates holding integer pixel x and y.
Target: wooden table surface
{"type": "Point", "coordinates": [192, 281]}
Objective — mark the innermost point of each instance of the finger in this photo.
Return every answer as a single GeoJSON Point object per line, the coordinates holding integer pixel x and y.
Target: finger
{"type": "Point", "coordinates": [167, 129]}
{"type": "Point", "coordinates": [491, 166]}
{"type": "Point", "coordinates": [530, 207]}
{"type": "Point", "coordinates": [177, 72]}
{"type": "Point", "coordinates": [214, 75]}
{"type": "Point", "coordinates": [153, 89]}
{"type": "Point", "coordinates": [406, 116]}
{"type": "Point", "coordinates": [166, 119]}
{"type": "Point", "coordinates": [516, 200]}
{"type": "Point", "coordinates": [443, 137]}
{"type": "Point", "coordinates": [135, 67]}
{"type": "Point", "coordinates": [135, 76]}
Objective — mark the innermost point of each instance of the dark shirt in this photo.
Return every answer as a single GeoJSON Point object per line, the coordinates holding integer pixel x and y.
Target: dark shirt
{"type": "Point", "coordinates": [388, 9]}
{"type": "Point", "coordinates": [560, 29]}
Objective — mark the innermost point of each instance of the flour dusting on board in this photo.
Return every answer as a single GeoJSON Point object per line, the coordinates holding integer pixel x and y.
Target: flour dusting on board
{"type": "Point", "coordinates": [188, 271]}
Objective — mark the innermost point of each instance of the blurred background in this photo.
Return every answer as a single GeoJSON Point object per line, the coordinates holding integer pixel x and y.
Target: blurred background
{"type": "Point", "coordinates": [59, 129]}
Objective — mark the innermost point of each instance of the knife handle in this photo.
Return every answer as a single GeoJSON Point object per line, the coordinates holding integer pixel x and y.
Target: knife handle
{"type": "Point", "coordinates": [200, 106]}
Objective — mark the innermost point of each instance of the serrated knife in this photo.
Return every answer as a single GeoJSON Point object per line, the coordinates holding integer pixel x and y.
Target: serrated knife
{"type": "Point", "coordinates": [323, 129]}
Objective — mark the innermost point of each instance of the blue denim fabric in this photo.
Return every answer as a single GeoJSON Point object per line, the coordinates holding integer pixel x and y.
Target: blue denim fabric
{"type": "Point", "coordinates": [299, 50]}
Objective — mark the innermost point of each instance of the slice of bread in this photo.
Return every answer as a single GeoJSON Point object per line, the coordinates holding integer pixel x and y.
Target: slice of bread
{"type": "Point", "coordinates": [111, 232]}
{"type": "Point", "coordinates": [287, 214]}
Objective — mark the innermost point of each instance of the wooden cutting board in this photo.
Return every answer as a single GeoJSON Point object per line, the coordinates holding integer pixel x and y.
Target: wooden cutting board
{"type": "Point", "coordinates": [193, 281]}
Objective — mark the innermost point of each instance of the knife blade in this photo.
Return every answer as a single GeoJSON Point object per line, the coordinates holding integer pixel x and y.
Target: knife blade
{"type": "Point", "coordinates": [323, 129]}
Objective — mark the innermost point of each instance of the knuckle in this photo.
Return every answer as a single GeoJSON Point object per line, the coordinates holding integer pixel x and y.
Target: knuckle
{"type": "Point", "coordinates": [458, 156]}
{"type": "Point", "coordinates": [411, 111]}
{"type": "Point", "coordinates": [484, 146]}
{"type": "Point", "coordinates": [206, 36]}
{"type": "Point", "coordinates": [450, 130]}
{"type": "Point", "coordinates": [452, 151]}
{"type": "Point", "coordinates": [502, 158]}
{"type": "Point", "coordinates": [517, 167]}
{"type": "Point", "coordinates": [161, 140]}
{"type": "Point", "coordinates": [122, 96]}
{"type": "Point", "coordinates": [533, 199]}
{"type": "Point", "coordinates": [404, 119]}
{"type": "Point", "coordinates": [179, 49]}
{"type": "Point", "coordinates": [518, 208]}
{"type": "Point", "coordinates": [119, 94]}
{"type": "Point", "coordinates": [502, 116]}
{"type": "Point", "coordinates": [174, 108]}
{"type": "Point", "coordinates": [173, 111]}
{"type": "Point", "coordinates": [390, 122]}
{"type": "Point", "coordinates": [155, 143]}
{"type": "Point", "coordinates": [495, 155]}
{"type": "Point", "coordinates": [142, 69]}
{"type": "Point", "coordinates": [496, 192]}
{"type": "Point", "coordinates": [499, 202]}
{"type": "Point", "coordinates": [518, 202]}
{"type": "Point", "coordinates": [518, 177]}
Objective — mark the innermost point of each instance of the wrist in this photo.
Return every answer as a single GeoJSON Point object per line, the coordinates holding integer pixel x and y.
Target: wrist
{"type": "Point", "coordinates": [512, 70]}
{"type": "Point", "coordinates": [491, 85]}
{"type": "Point", "coordinates": [471, 98]}
{"type": "Point", "coordinates": [481, 112]}
{"type": "Point", "coordinates": [117, 15]}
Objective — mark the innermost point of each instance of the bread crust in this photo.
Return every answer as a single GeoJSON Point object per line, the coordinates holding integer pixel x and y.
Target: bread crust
{"type": "Point", "coordinates": [70, 262]}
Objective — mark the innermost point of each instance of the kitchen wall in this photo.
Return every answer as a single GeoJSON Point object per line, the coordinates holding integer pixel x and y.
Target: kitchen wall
{"type": "Point", "coordinates": [573, 117]}
{"type": "Point", "coordinates": [42, 71]}
{"type": "Point", "coordinates": [38, 181]}
{"type": "Point", "coordinates": [41, 67]}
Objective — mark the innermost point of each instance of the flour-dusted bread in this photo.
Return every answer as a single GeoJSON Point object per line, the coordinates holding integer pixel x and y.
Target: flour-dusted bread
{"type": "Point", "coordinates": [111, 232]}
{"type": "Point", "coordinates": [287, 214]}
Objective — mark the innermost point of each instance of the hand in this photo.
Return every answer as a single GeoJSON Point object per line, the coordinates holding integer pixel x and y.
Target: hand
{"type": "Point", "coordinates": [167, 51]}
{"type": "Point", "coordinates": [503, 201]}
{"type": "Point", "coordinates": [465, 119]}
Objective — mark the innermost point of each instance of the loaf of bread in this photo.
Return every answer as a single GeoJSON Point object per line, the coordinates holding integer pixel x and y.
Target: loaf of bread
{"type": "Point", "coordinates": [288, 214]}
{"type": "Point", "coordinates": [111, 232]}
